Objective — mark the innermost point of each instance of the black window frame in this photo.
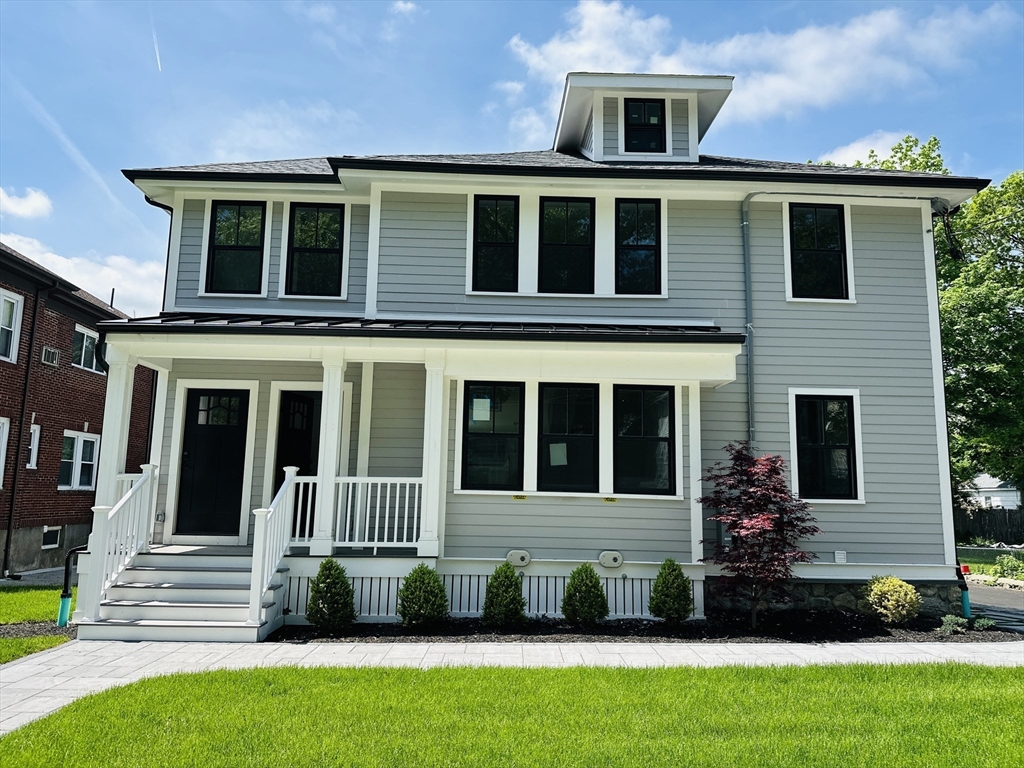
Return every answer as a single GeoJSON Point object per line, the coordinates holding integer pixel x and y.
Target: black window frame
{"type": "Point", "coordinates": [618, 440]}
{"type": "Point", "coordinates": [626, 126]}
{"type": "Point", "coordinates": [467, 437]}
{"type": "Point", "coordinates": [477, 199]}
{"type": "Point", "coordinates": [340, 250]}
{"type": "Point", "coordinates": [658, 254]}
{"type": "Point", "coordinates": [212, 247]}
{"type": "Point", "coordinates": [544, 439]}
{"type": "Point", "coordinates": [843, 253]}
{"type": "Point", "coordinates": [541, 244]}
{"type": "Point", "coordinates": [823, 447]}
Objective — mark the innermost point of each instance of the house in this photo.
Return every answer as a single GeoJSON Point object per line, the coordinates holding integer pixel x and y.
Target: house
{"type": "Point", "coordinates": [993, 493]}
{"type": "Point", "coordinates": [52, 385]}
{"type": "Point", "coordinates": [532, 357]}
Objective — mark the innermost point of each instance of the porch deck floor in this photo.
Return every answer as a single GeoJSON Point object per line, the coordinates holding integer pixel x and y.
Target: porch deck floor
{"type": "Point", "coordinates": [42, 683]}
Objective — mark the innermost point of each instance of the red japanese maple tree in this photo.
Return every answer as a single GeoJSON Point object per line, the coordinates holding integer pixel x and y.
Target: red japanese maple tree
{"type": "Point", "coordinates": [764, 524]}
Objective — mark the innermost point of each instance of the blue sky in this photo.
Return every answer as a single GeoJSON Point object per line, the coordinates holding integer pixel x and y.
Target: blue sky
{"type": "Point", "coordinates": [89, 88]}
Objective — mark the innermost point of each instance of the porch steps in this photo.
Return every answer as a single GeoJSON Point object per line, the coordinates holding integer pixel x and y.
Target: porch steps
{"type": "Point", "coordinates": [187, 593]}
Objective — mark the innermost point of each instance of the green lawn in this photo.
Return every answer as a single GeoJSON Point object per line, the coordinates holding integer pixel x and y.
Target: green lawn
{"type": "Point", "coordinates": [981, 561]}
{"type": "Point", "coordinates": [927, 715]}
{"type": "Point", "coordinates": [19, 604]}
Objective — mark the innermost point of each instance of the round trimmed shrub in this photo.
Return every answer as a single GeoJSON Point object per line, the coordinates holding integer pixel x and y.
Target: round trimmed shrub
{"type": "Point", "coordinates": [504, 604]}
{"type": "Point", "coordinates": [585, 602]}
{"type": "Point", "coordinates": [332, 605]}
{"type": "Point", "coordinates": [893, 600]}
{"type": "Point", "coordinates": [422, 600]}
{"type": "Point", "coordinates": [671, 594]}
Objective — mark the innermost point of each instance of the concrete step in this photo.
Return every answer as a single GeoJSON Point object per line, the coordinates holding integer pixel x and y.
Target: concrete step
{"type": "Point", "coordinates": [181, 631]}
{"type": "Point", "coordinates": [176, 592]}
{"type": "Point", "coordinates": [162, 610]}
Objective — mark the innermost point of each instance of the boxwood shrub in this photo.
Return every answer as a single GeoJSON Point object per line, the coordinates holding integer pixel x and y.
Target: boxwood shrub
{"type": "Point", "coordinates": [422, 600]}
{"type": "Point", "coordinates": [332, 606]}
{"type": "Point", "coordinates": [671, 594]}
{"type": "Point", "coordinates": [585, 602]}
{"type": "Point", "coordinates": [504, 604]}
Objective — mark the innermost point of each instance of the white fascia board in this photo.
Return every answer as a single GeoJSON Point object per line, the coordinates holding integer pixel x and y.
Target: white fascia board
{"type": "Point", "coordinates": [164, 191]}
{"type": "Point", "coordinates": [641, 82]}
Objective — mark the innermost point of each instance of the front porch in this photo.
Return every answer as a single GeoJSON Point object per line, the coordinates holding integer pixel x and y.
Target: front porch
{"type": "Point", "coordinates": [356, 449]}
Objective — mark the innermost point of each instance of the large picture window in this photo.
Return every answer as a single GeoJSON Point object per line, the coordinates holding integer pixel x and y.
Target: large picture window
{"type": "Point", "coordinates": [826, 453]}
{"type": "Point", "coordinates": [637, 247]}
{"type": "Point", "coordinates": [496, 244]}
{"type": "Point", "coordinates": [817, 239]}
{"type": "Point", "coordinates": [644, 457]}
{"type": "Point", "coordinates": [315, 234]}
{"type": "Point", "coordinates": [492, 446]}
{"type": "Point", "coordinates": [566, 245]}
{"type": "Point", "coordinates": [568, 459]}
{"type": "Point", "coordinates": [645, 125]}
{"type": "Point", "coordinates": [235, 255]}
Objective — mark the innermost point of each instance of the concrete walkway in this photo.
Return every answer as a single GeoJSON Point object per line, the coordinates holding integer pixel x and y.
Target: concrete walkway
{"type": "Point", "coordinates": [42, 683]}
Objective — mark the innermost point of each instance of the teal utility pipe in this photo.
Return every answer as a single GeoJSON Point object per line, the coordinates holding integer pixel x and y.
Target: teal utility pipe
{"type": "Point", "coordinates": [965, 600]}
{"type": "Point", "coordinates": [64, 613]}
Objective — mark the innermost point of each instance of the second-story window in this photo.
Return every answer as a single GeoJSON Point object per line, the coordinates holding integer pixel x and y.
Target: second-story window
{"type": "Point", "coordinates": [645, 126]}
{"type": "Point", "coordinates": [10, 320]}
{"type": "Point", "coordinates": [637, 247]}
{"type": "Point", "coordinates": [817, 241]}
{"type": "Point", "coordinates": [496, 244]}
{"type": "Point", "coordinates": [235, 257]}
{"type": "Point", "coordinates": [566, 263]}
{"type": "Point", "coordinates": [315, 250]}
{"type": "Point", "coordinates": [83, 349]}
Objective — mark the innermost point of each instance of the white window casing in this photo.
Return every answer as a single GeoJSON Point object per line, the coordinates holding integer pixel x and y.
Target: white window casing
{"type": "Point", "coordinates": [85, 350]}
{"type": "Point", "coordinates": [80, 453]}
{"type": "Point", "coordinates": [5, 431]}
{"type": "Point", "coordinates": [11, 308]}
{"type": "Point", "coordinates": [857, 436]}
{"type": "Point", "coordinates": [34, 435]}
{"type": "Point", "coordinates": [346, 245]}
{"type": "Point", "coordinates": [787, 250]}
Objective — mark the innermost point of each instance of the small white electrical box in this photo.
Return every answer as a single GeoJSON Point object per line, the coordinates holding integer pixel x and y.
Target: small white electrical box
{"type": "Point", "coordinates": [610, 559]}
{"type": "Point", "coordinates": [518, 557]}
{"type": "Point", "coordinates": [840, 556]}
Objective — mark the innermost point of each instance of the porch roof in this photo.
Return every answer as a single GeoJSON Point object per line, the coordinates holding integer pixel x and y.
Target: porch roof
{"type": "Point", "coordinates": [207, 323]}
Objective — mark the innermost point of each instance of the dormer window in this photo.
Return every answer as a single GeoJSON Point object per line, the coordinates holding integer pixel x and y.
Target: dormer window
{"type": "Point", "coordinates": [645, 126]}
{"type": "Point", "coordinates": [235, 259]}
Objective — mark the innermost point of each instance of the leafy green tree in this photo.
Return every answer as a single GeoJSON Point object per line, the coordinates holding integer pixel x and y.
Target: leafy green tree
{"type": "Point", "coordinates": [981, 314]}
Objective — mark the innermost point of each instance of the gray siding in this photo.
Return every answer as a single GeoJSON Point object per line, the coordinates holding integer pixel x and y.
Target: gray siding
{"type": "Point", "coordinates": [190, 258]}
{"type": "Point", "coordinates": [396, 420]}
{"type": "Point", "coordinates": [423, 266]}
{"type": "Point", "coordinates": [680, 128]}
{"type": "Point", "coordinates": [611, 126]}
{"type": "Point", "coordinates": [587, 144]}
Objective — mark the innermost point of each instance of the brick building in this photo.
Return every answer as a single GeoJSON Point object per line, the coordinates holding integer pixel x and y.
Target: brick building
{"type": "Point", "coordinates": [52, 390]}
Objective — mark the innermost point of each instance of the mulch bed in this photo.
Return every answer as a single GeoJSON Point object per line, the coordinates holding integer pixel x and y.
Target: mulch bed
{"type": "Point", "coordinates": [36, 629]}
{"type": "Point", "coordinates": [784, 627]}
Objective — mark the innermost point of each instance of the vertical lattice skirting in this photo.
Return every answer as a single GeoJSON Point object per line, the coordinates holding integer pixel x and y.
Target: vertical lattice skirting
{"type": "Point", "coordinates": [377, 596]}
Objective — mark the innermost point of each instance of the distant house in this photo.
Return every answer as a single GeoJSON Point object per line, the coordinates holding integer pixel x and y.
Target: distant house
{"type": "Point", "coordinates": [52, 387]}
{"type": "Point", "coordinates": [993, 493]}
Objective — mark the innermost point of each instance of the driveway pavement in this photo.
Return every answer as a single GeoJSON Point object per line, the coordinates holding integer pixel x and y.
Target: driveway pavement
{"type": "Point", "coordinates": [44, 682]}
{"type": "Point", "coordinates": [1003, 606]}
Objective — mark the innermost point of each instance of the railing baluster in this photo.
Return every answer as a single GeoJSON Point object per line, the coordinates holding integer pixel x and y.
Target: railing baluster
{"type": "Point", "coordinates": [387, 514]}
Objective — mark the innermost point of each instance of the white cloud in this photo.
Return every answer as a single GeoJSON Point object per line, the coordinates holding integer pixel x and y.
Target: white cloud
{"type": "Point", "coordinates": [32, 205]}
{"type": "Point", "coordinates": [512, 89]}
{"type": "Point", "coordinates": [530, 128]}
{"type": "Point", "coordinates": [402, 11]}
{"type": "Point", "coordinates": [403, 8]}
{"type": "Point", "coordinates": [280, 130]}
{"type": "Point", "coordinates": [880, 141]}
{"type": "Point", "coordinates": [139, 285]}
{"type": "Point", "coordinates": [777, 74]}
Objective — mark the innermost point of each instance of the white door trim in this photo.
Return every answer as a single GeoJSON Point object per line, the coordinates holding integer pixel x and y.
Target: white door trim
{"type": "Point", "coordinates": [174, 460]}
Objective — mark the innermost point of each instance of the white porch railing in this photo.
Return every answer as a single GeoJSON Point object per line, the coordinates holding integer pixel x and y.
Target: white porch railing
{"type": "Point", "coordinates": [304, 514]}
{"type": "Point", "coordinates": [378, 510]}
{"type": "Point", "coordinates": [119, 533]}
{"type": "Point", "coordinates": [124, 483]}
{"type": "Point", "coordinates": [270, 541]}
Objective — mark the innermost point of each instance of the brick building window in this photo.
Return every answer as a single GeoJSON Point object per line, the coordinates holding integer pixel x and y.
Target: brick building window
{"type": "Point", "coordinates": [78, 461]}
{"type": "Point", "coordinates": [83, 349]}
{"type": "Point", "coordinates": [10, 324]}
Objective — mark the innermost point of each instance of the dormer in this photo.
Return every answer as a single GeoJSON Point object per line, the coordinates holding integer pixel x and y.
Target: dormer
{"type": "Point", "coordinates": [638, 118]}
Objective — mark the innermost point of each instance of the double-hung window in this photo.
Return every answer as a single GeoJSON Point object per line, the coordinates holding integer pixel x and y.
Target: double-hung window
{"type": "Point", "coordinates": [566, 258]}
{"type": "Point", "coordinates": [235, 256]}
{"type": "Point", "coordinates": [817, 241]}
{"type": "Point", "coordinates": [496, 244]}
{"type": "Point", "coordinates": [825, 447]}
{"type": "Point", "coordinates": [83, 349]}
{"type": "Point", "coordinates": [492, 445]}
{"type": "Point", "coordinates": [644, 457]}
{"type": "Point", "coordinates": [78, 456]}
{"type": "Point", "coordinates": [568, 459]}
{"type": "Point", "coordinates": [637, 247]}
{"type": "Point", "coordinates": [315, 234]}
{"type": "Point", "coordinates": [645, 126]}
{"type": "Point", "coordinates": [10, 324]}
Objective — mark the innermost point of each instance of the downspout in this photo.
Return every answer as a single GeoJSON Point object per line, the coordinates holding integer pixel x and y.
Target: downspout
{"type": "Point", "coordinates": [748, 324]}
{"type": "Point", "coordinates": [18, 459]}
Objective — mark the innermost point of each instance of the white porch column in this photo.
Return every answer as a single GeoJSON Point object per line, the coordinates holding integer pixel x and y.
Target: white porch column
{"type": "Point", "coordinates": [330, 443]}
{"type": "Point", "coordinates": [696, 508]}
{"type": "Point", "coordinates": [433, 425]}
{"type": "Point", "coordinates": [117, 414]}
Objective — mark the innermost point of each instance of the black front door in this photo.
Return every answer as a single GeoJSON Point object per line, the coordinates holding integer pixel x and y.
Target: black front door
{"type": "Point", "coordinates": [212, 462]}
{"type": "Point", "coordinates": [298, 434]}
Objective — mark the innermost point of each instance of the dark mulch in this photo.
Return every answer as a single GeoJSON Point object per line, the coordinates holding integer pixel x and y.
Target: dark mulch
{"type": "Point", "coordinates": [786, 627]}
{"type": "Point", "coordinates": [36, 629]}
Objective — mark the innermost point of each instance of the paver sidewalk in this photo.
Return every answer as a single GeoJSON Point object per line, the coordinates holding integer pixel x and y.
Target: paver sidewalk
{"type": "Point", "coordinates": [44, 682]}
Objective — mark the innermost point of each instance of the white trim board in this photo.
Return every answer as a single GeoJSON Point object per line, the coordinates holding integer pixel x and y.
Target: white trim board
{"type": "Point", "coordinates": [19, 313]}
{"type": "Point", "coordinates": [174, 459]}
{"type": "Point", "coordinates": [787, 250]}
{"type": "Point", "coordinates": [857, 436]}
